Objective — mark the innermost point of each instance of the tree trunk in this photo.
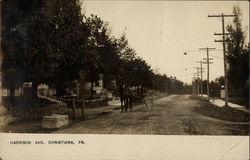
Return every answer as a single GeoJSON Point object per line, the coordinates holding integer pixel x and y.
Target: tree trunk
{"type": "Point", "coordinates": [82, 91]}
{"type": "Point", "coordinates": [92, 90]}
{"type": "Point", "coordinates": [74, 107]}
{"type": "Point", "coordinates": [105, 82]}
{"type": "Point", "coordinates": [60, 90]}
{"type": "Point", "coordinates": [142, 90]}
{"type": "Point", "coordinates": [34, 90]}
{"type": "Point", "coordinates": [12, 95]}
{"type": "Point", "coordinates": [121, 94]}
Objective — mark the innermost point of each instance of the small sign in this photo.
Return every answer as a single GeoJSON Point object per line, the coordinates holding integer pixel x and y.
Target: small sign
{"type": "Point", "coordinates": [222, 93]}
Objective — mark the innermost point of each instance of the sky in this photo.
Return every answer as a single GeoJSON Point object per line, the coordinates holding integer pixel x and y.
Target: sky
{"type": "Point", "coordinates": [161, 31]}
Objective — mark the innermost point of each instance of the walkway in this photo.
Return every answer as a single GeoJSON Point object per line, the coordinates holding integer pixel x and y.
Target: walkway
{"type": "Point", "coordinates": [221, 103]}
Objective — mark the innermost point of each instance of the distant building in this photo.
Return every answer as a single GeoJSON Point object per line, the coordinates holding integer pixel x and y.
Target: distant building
{"type": "Point", "coordinates": [98, 86]}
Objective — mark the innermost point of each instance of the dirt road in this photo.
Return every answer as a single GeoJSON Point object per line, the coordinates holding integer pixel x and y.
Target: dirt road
{"type": "Point", "coordinates": [173, 115]}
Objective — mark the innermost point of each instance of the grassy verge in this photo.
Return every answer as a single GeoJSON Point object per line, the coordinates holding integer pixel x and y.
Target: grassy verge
{"type": "Point", "coordinates": [239, 101]}
{"type": "Point", "coordinates": [222, 113]}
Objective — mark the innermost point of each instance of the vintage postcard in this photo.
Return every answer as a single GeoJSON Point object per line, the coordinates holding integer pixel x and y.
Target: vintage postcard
{"type": "Point", "coordinates": [124, 80]}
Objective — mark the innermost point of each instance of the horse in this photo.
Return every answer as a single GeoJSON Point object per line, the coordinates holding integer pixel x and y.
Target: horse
{"type": "Point", "coordinates": [126, 101]}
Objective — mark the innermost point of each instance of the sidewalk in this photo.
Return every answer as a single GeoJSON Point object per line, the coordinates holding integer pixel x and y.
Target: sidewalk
{"type": "Point", "coordinates": [115, 104]}
{"type": "Point", "coordinates": [221, 103]}
{"type": "Point", "coordinates": [35, 126]}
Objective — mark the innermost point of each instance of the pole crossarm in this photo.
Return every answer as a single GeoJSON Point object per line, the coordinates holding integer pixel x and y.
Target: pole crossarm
{"type": "Point", "coordinates": [223, 15]}
{"type": "Point", "coordinates": [198, 61]}
{"type": "Point", "coordinates": [207, 63]}
{"type": "Point", "coordinates": [206, 48]}
{"type": "Point", "coordinates": [223, 40]}
{"type": "Point", "coordinates": [220, 34]}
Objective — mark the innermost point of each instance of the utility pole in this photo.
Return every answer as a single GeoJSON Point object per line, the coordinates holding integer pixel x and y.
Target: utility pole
{"type": "Point", "coordinates": [194, 84]}
{"type": "Point", "coordinates": [208, 62]}
{"type": "Point", "coordinates": [197, 85]}
{"type": "Point", "coordinates": [224, 51]}
{"type": "Point", "coordinates": [201, 71]}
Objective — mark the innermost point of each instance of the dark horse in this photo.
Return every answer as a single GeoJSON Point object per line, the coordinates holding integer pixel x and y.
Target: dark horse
{"type": "Point", "coordinates": [126, 100]}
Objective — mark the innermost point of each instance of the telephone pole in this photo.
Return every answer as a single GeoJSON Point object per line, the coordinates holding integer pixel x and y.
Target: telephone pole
{"type": "Point", "coordinates": [201, 71]}
{"type": "Point", "coordinates": [197, 86]}
{"type": "Point", "coordinates": [194, 84]}
{"type": "Point", "coordinates": [208, 62]}
{"type": "Point", "coordinates": [222, 16]}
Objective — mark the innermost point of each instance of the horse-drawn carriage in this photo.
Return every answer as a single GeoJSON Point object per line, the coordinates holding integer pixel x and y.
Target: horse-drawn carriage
{"type": "Point", "coordinates": [129, 98]}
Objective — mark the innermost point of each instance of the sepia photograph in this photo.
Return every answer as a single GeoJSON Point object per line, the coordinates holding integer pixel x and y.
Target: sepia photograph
{"type": "Point", "coordinates": [124, 67]}
{"type": "Point", "coordinates": [124, 80]}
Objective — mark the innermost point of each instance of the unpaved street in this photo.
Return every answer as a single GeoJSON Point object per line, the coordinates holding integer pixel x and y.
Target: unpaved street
{"type": "Point", "coordinates": [173, 115]}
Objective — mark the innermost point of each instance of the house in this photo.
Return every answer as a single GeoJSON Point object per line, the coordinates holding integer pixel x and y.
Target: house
{"type": "Point", "coordinates": [97, 88]}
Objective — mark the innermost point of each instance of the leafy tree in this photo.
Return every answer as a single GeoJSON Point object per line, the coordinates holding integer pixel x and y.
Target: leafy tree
{"type": "Point", "coordinates": [68, 38]}
{"type": "Point", "coordinates": [160, 82]}
{"type": "Point", "coordinates": [44, 39]}
{"type": "Point", "coordinates": [169, 85]}
{"type": "Point", "coordinates": [102, 51]}
{"type": "Point", "coordinates": [122, 49]}
{"type": "Point", "coordinates": [237, 55]}
{"type": "Point", "coordinates": [141, 73]}
{"type": "Point", "coordinates": [13, 14]}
